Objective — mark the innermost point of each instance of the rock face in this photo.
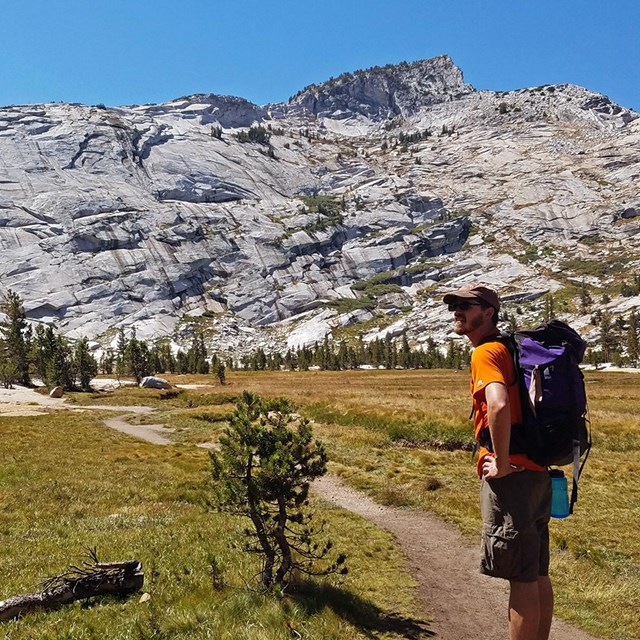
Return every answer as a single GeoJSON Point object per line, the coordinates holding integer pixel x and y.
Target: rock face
{"type": "Point", "coordinates": [385, 92]}
{"type": "Point", "coordinates": [379, 187]}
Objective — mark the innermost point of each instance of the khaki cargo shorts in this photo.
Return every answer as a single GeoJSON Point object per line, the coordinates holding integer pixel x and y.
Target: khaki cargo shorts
{"type": "Point", "coordinates": [515, 531]}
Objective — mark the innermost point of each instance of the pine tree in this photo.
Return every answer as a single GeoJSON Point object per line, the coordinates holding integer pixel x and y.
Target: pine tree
{"type": "Point", "coordinates": [182, 362]}
{"type": "Point", "coordinates": [85, 364]}
{"type": "Point", "coordinates": [38, 354]}
{"type": "Point", "coordinates": [14, 337]}
{"type": "Point", "coordinates": [59, 367]}
{"type": "Point", "coordinates": [121, 351]}
{"type": "Point", "coordinates": [608, 342]}
{"type": "Point", "coordinates": [549, 307]}
{"type": "Point", "coordinates": [220, 372]}
{"type": "Point", "coordinates": [136, 357]}
{"type": "Point", "coordinates": [107, 361]}
{"type": "Point", "coordinates": [197, 355]}
{"type": "Point", "coordinates": [633, 344]}
{"type": "Point", "coordinates": [585, 298]}
{"type": "Point", "coordinates": [404, 356]}
{"type": "Point", "coordinates": [263, 470]}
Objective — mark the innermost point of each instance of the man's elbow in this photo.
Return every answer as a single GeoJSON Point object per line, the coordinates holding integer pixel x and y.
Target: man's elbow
{"type": "Point", "coordinates": [497, 398]}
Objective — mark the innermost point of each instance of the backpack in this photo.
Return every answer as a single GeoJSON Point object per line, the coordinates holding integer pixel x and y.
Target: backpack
{"type": "Point", "coordinates": [554, 429]}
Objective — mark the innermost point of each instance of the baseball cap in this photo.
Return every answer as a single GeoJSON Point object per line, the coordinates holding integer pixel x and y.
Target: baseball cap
{"type": "Point", "coordinates": [474, 292]}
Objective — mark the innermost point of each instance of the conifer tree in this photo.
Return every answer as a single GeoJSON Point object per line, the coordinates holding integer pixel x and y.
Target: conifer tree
{"type": "Point", "coordinates": [15, 337]}
{"type": "Point", "coordinates": [59, 366]}
{"type": "Point", "coordinates": [197, 355]}
{"type": "Point", "coordinates": [220, 372]}
{"type": "Point", "coordinates": [549, 307]}
{"type": "Point", "coordinates": [633, 344]}
{"type": "Point", "coordinates": [85, 364]}
{"type": "Point", "coordinates": [404, 356]}
{"type": "Point", "coordinates": [107, 361]}
{"type": "Point", "coordinates": [608, 341]}
{"type": "Point", "coordinates": [121, 354]}
{"type": "Point", "coordinates": [136, 357]}
{"type": "Point", "coordinates": [266, 462]}
{"type": "Point", "coordinates": [38, 353]}
{"type": "Point", "coordinates": [182, 362]}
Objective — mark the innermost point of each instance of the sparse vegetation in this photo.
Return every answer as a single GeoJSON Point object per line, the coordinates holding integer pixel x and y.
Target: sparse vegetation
{"type": "Point", "coordinates": [130, 498]}
{"type": "Point", "coordinates": [256, 133]}
{"type": "Point", "coordinates": [325, 205]}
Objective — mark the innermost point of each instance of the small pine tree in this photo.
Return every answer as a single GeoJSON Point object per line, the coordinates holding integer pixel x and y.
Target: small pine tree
{"type": "Point", "coordinates": [220, 372]}
{"type": "Point", "coordinates": [8, 372]}
{"type": "Point", "coordinates": [585, 299]}
{"type": "Point", "coordinates": [121, 351]}
{"type": "Point", "coordinates": [633, 343]}
{"type": "Point", "coordinates": [266, 462]}
{"type": "Point", "coordinates": [549, 307]}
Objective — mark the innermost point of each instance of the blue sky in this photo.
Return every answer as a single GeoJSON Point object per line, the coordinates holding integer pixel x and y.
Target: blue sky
{"type": "Point", "coordinates": [138, 51]}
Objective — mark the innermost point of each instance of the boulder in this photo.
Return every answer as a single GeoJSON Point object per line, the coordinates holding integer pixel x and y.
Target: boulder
{"type": "Point", "coordinates": [56, 392]}
{"type": "Point", "coordinates": [152, 382]}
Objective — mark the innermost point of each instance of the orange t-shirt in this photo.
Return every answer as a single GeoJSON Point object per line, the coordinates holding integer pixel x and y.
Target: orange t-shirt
{"type": "Point", "coordinates": [492, 362]}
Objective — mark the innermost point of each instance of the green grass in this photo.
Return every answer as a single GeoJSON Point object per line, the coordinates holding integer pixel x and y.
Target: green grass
{"type": "Point", "coordinates": [403, 430]}
{"type": "Point", "coordinates": [68, 484]}
{"type": "Point", "coordinates": [595, 552]}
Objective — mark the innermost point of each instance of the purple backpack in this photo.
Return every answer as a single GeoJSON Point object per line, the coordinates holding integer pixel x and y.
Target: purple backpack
{"type": "Point", "coordinates": [554, 403]}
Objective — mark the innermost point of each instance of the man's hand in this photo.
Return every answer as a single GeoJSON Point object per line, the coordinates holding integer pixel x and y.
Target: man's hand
{"type": "Point", "coordinates": [491, 469]}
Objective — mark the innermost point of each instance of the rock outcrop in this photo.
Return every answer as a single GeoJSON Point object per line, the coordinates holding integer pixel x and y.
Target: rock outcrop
{"type": "Point", "coordinates": [379, 187]}
{"type": "Point", "coordinates": [385, 92]}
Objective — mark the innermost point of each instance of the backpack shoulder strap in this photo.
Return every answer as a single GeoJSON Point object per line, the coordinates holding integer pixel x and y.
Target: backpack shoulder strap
{"type": "Point", "coordinates": [509, 340]}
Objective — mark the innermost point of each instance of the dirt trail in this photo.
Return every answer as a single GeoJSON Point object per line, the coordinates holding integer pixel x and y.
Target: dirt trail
{"type": "Point", "coordinates": [465, 604]}
{"type": "Point", "coordinates": [149, 432]}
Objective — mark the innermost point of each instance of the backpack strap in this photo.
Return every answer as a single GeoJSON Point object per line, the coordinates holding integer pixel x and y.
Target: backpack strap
{"type": "Point", "coordinates": [517, 442]}
{"type": "Point", "coordinates": [577, 467]}
{"type": "Point", "coordinates": [482, 440]}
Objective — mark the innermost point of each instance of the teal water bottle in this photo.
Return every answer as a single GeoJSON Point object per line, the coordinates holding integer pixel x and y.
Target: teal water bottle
{"type": "Point", "coordinates": [559, 494]}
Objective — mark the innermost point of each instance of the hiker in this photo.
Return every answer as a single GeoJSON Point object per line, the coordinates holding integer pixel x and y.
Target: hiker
{"type": "Point", "coordinates": [515, 493]}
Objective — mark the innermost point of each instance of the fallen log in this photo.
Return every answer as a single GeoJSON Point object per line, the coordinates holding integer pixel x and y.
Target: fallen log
{"type": "Point", "coordinates": [78, 583]}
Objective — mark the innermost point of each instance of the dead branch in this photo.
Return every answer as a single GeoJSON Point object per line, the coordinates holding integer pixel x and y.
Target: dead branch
{"type": "Point", "coordinates": [92, 578]}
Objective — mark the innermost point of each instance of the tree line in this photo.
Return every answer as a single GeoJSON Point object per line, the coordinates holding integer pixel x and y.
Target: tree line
{"type": "Point", "coordinates": [27, 353]}
{"type": "Point", "coordinates": [137, 358]}
{"type": "Point", "coordinates": [383, 353]}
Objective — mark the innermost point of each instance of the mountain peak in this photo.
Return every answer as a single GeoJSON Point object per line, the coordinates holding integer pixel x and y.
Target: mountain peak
{"type": "Point", "coordinates": [383, 92]}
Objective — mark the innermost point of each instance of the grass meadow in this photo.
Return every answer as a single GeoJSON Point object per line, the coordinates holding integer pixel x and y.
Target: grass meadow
{"type": "Point", "coordinates": [67, 483]}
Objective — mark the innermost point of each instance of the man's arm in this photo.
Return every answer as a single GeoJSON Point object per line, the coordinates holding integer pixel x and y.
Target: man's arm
{"type": "Point", "coordinates": [499, 419]}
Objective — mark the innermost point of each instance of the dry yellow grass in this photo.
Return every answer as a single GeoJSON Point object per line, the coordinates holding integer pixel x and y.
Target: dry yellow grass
{"type": "Point", "coordinates": [596, 552]}
{"type": "Point", "coordinates": [376, 424]}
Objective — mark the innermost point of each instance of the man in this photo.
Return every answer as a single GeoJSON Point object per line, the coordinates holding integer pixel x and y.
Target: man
{"type": "Point", "coordinates": [515, 492]}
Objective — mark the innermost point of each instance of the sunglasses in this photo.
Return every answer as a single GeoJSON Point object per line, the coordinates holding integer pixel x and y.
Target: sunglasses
{"type": "Point", "coordinates": [463, 306]}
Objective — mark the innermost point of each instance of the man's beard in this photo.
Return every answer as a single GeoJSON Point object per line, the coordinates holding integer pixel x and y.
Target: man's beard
{"type": "Point", "coordinates": [464, 328]}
